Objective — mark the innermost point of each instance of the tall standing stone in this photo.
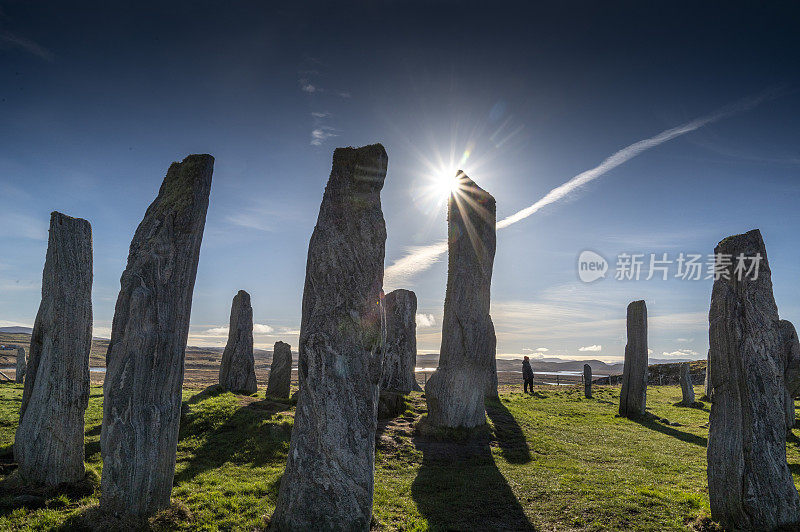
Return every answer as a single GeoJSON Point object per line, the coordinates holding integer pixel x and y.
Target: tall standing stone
{"type": "Point", "coordinates": [791, 365]}
{"type": "Point", "coordinates": [687, 387]}
{"type": "Point", "coordinates": [49, 441]}
{"type": "Point", "coordinates": [467, 366]}
{"type": "Point", "coordinates": [587, 381]}
{"type": "Point", "coordinates": [328, 482]}
{"type": "Point", "coordinates": [144, 363]}
{"type": "Point", "coordinates": [750, 485]}
{"type": "Point", "coordinates": [237, 372]}
{"type": "Point", "coordinates": [22, 365]}
{"type": "Point", "coordinates": [280, 371]}
{"type": "Point", "coordinates": [400, 356]}
{"type": "Point", "coordinates": [633, 398]}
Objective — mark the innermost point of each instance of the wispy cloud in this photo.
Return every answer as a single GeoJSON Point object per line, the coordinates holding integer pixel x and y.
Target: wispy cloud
{"type": "Point", "coordinates": [425, 320]}
{"type": "Point", "coordinates": [320, 134]}
{"type": "Point", "coordinates": [4, 323]}
{"type": "Point", "coordinates": [8, 39]}
{"type": "Point", "coordinates": [421, 258]}
{"type": "Point", "coordinates": [258, 217]}
{"type": "Point", "coordinates": [680, 353]}
{"type": "Point", "coordinates": [258, 328]}
{"type": "Point", "coordinates": [19, 286]}
{"type": "Point", "coordinates": [217, 331]}
{"type": "Point", "coordinates": [417, 259]}
{"type": "Point", "coordinates": [310, 88]}
{"type": "Point", "coordinates": [593, 348]}
{"type": "Point", "coordinates": [322, 130]}
{"type": "Point", "coordinates": [24, 226]}
{"type": "Point", "coordinates": [248, 220]}
{"type": "Point", "coordinates": [101, 331]}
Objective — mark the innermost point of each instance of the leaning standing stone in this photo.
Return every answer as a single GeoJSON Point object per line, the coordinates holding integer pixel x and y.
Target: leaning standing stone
{"type": "Point", "coordinates": [750, 485]}
{"type": "Point", "coordinates": [687, 388]}
{"type": "Point", "coordinates": [401, 342]}
{"type": "Point", "coordinates": [22, 365]}
{"type": "Point", "coordinates": [144, 375]}
{"type": "Point", "coordinates": [237, 372]}
{"type": "Point", "coordinates": [49, 441]}
{"type": "Point", "coordinates": [280, 371]}
{"type": "Point", "coordinates": [587, 381]}
{"type": "Point", "coordinates": [467, 371]}
{"type": "Point", "coordinates": [633, 397]}
{"type": "Point", "coordinates": [328, 482]}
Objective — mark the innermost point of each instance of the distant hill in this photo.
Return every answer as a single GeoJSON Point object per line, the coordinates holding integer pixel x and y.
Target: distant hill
{"type": "Point", "coordinates": [551, 364]}
{"type": "Point", "coordinates": [16, 330]}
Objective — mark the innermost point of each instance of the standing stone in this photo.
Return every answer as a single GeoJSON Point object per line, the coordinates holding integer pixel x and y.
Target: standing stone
{"type": "Point", "coordinates": [467, 367]}
{"type": "Point", "coordinates": [49, 441]}
{"type": "Point", "coordinates": [328, 482]}
{"type": "Point", "coordinates": [749, 482]}
{"type": "Point", "coordinates": [400, 356]}
{"type": "Point", "coordinates": [237, 372]}
{"type": "Point", "coordinates": [587, 381]}
{"type": "Point", "coordinates": [791, 365]}
{"type": "Point", "coordinates": [144, 375]}
{"type": "Point", "coordinates": [687, 387]}
{"type": "Point", "coordinates": [19, 377]}
{"type": "Point", "coordinates": [633, 397]}
{"type": "Point", "coordinates": [280, 371]}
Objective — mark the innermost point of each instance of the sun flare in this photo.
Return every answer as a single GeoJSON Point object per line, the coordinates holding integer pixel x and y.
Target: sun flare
{"type": "Point", "coordinates": [445, 183]}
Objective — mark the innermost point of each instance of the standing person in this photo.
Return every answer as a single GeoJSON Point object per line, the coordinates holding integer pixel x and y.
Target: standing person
{"type": "Point", "coordinates": [527, 375]}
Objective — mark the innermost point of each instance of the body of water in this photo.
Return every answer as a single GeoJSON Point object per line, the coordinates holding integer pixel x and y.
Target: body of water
{"type": "Point", "coordinates": [92, 369]}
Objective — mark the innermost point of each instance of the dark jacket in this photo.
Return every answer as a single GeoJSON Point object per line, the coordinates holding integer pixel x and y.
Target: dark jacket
{"type": "Point", "coordinates": [527, 372]}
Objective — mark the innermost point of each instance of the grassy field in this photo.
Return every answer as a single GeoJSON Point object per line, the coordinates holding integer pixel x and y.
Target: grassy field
{"type": "Point", "coordinates": [552, 461]}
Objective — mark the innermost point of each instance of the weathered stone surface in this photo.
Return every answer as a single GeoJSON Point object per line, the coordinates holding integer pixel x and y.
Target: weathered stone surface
{"type": "Point", "coordinates": [687, 387]}
{"type": "Point", "coordinates": [22, 366]}
{"type": "Point", "coordinates": [400, 356]}
{"type": "Point", "coordinates": [49, 441]}
{"type": "Point", "coordinates": [328, 482]}
{"type": "Point", "coordinates": [144, 363]}
{"type": "Point", "coordinates": [467, 367]}
{"type": "Point", "coordinates": [280, 371]}
{"type": "Point", "coordinates": [237, 371]}
{"type": "Point", "coordinates": [587, 381]}
{"type": "Point", "coordinates": [791, 364]}
{"type": "Point", "coordinates": [750, 486]}
{"type": "Point", "coordinates": [707, 382]}
{"type": "Point", "coordinates": [633, 398]}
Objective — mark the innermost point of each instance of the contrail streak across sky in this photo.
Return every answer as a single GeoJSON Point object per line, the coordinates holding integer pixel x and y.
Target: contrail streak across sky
{"type": "Point", "coordinates": [419, 259]}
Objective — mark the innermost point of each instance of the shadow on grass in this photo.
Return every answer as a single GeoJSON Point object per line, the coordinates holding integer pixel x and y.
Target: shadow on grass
{"type": "Point", "coordinates": [649, 422]}
{"type": "Point", "coordinates": [465, 490]}
{"type": "Point", "coordinates": [243, 437]}
{"type": "Point", "coordinates": [513, 445]}
{"type": "Point", "coordinates": [16, 493]}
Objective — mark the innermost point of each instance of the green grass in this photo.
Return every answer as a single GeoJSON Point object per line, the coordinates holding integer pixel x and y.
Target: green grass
{"type": "Point", "coordinates": [552, 461]}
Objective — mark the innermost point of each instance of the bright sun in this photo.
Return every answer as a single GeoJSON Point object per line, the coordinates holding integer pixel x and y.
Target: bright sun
{"type": "Point", "coordinates": [445, 183]}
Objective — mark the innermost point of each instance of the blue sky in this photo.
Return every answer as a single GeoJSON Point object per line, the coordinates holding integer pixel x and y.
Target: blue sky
{"type": "Point", "coordinates": [96, 101]}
